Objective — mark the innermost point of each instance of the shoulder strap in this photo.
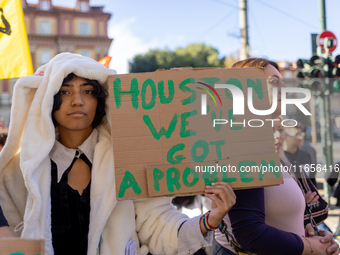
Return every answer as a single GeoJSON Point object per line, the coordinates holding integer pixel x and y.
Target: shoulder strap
{"type": "Point", "coordinates": [234, 244]}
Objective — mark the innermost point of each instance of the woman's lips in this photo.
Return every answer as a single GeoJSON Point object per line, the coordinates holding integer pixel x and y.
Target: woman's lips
{"type": "Point", "coordinates": [77, 114]}
{"type": "Point", "coordinates": [277, 145]}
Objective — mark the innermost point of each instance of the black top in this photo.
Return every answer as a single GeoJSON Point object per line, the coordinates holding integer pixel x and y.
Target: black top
{"type": "Point", "coordinates": [300, 157]}
{"type": "Point", "coordinates": [70, 213]}
{"type": "Point", "coordinates": [3, 221]}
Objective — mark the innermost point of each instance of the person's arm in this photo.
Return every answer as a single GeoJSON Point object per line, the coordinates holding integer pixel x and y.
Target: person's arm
{"type": "Point", "coordinates": [190, 233]}
{"type": "Point", "coordinates": [223, 198]}
{"type": "Point", "coordinates": [254, 235]}
{"type": "Point", "coordinates": [317, 205]}
{"type": "Point", "coordinates": [327, 237]}
{"type": "Point", "coordinates": [157, 224]}
{"type": "Point", "coordinates": [166, 231]}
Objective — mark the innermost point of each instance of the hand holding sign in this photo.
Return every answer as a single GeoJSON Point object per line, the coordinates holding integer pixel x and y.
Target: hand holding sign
{"type": "Point", "coordinates": [223, 198]}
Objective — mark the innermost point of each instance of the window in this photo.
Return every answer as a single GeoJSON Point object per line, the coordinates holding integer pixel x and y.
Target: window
{"type": "Point", "coordinates": [67, 26]}
{"type": "Point", "coordinates": [45, 56]}
{"type": "Point", "coordinates": [83, 7]}
{"type": "Point", "coordinates": [45, 5]}
{"type": "Point", "coordinates": [84, 28]}
{"type": "Point", "coordinates": [85, 52]}
{"type": "Point", "coordinates": [45, 27]}
{"type": "Point", "coordinates": [101, 28]}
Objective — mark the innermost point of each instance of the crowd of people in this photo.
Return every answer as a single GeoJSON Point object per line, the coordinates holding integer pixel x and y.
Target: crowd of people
{"type": "Point", "coordinates": [258, 222]}
{"type": "Point", "coordinates": [57, 180]}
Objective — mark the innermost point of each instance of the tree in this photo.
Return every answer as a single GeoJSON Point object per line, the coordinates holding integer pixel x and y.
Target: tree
{"type": "Point", "coordinates": [194, 55]}
{"type": "Point", "coordinates": [146, 63]}
{"type": "Point", "coordinates": [231, 59]}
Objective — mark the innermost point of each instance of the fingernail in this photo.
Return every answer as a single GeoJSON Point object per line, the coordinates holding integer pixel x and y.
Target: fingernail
{"type": "Point", "coordinates": [213, 183]}
{"type": "Point", "coordinates": [207, 187]}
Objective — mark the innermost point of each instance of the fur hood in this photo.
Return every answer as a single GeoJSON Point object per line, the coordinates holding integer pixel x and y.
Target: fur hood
{"type": "Point", "coordinates": [32, 133]}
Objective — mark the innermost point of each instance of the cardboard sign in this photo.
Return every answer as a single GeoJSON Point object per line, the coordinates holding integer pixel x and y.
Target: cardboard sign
{"type": "Point", "coordinates": [165, 134]}
{"type": "Point", "coordinates": [19, 246]}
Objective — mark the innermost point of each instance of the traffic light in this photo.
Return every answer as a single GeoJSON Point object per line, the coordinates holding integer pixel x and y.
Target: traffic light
{"type": "Point", "coordinates": [335, 82]}
{"type": "Point", "coordinates": [336, 86]}
{"type": "Point", "coordinates": [311, 73]}
{"type": "Point", "coordinates": [315, 71]}
{"type": "Point", "coordinates": [312, 68]}
{"type": "Point", "coordinates": [336, 67]}
{"type": "Point", "coordinates": [317, 60]}
{"type": "Point", "coordinates": [301, 63]}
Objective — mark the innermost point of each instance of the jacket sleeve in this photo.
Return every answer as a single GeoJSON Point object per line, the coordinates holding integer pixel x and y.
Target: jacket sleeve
{"type": "Point", "coordinates": [191, 238]}
{"type": "Point", "coordinates": [13, 193]}
{"type": "Point", "coordinates": [319, 210]}
{"type": "Point", "coordinates": [247, 219]}
{"type": "Point", "coordinates": [158, 223]}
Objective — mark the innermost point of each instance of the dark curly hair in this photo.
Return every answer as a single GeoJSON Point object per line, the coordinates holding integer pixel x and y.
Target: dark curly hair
{"type": "Point", "coordinates": [98, 91]}
{"type": "Point", "coordinates": [3, 138]}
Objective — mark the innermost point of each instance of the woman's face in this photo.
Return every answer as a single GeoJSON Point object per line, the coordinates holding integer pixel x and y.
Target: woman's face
{"type": "Point", "coordinates": [279, 134]}
{"type": "Point", "coordinates": [78, 105]}
{"type": "Point", "coordinates": [274, 79]}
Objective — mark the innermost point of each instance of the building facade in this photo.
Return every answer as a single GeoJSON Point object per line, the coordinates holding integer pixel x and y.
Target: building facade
{"type": "Point", "coordinates": [53, 29]}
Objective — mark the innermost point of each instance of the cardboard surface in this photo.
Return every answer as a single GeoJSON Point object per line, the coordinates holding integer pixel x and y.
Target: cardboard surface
{"type": "Point", "coordinates": [159, 133]}
{"type": "Point", "coordinates": [163, 181]}
{"type": "Point", "coordinates": [21, 246]}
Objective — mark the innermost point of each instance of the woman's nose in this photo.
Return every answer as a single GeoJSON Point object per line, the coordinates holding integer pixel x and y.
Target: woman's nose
{"type": "Point", "coordinates": [77, 99]}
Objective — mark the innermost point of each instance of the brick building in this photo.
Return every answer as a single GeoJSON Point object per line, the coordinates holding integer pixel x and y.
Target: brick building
{"type": "Point", "coordinates": [52, 29]}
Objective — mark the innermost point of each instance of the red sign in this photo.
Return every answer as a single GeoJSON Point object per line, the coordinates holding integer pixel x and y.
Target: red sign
{"type": "Point", "coordinates": [332, 41]}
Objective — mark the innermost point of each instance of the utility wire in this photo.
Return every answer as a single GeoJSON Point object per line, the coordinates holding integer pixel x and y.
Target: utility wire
{"type": "Point", "coordinates": [287, 14]}
{"type": "Point", "coordinates": [215, 25]}
{"type": "Point", "coordinates": [237, 29]}
{"type": "Point", "coordinates": [258, 31]}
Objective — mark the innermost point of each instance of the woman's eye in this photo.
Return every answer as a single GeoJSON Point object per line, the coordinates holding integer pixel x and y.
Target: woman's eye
{"type": "Point", "coordinates": [63, 92]}
{"type": "Point", "coordinates": [88, 92]}
{"type": "Point", "coordinates": [273, 80]}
